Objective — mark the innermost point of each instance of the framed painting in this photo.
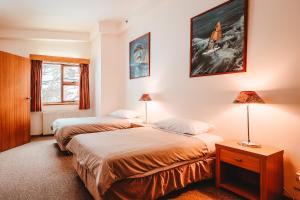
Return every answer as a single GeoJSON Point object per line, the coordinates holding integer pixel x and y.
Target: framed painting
{"type": "Point", "coordinates": [219, 40]}
{"type": "Point", "coordinates": [139, 57]}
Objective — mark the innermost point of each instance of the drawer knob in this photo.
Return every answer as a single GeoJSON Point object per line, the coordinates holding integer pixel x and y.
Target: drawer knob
{"type": "Point", "coordinates": [238, 159]}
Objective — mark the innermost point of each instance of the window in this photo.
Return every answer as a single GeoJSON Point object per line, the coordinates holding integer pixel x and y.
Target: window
{"type": "Point", "coordinates": [60, 83]}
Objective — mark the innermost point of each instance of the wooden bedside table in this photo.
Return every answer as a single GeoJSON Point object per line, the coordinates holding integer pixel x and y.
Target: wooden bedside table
{"type": "Point", "coordinates": [254, 173]}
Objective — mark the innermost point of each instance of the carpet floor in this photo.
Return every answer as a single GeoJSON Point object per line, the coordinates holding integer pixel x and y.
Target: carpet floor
{"type": "Point", "coordinates": [38, 170]}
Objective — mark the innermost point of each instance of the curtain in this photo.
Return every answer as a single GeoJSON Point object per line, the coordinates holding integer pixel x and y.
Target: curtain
{"type": "Point", "coordinates": [84, 94]}
{"type": "Point", "coordinates": [36, 86]}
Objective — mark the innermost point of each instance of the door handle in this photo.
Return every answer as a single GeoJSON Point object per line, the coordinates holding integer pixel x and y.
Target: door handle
{"type": "Point", "coordinates": [238, 159]}
{"type": "Point", "coordinates": [28, 98]}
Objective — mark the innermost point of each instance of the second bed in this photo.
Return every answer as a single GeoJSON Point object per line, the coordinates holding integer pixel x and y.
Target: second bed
{"type": "Point", "coordinates": [66, 128]}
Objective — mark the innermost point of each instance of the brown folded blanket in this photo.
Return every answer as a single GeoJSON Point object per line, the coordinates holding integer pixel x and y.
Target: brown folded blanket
{"type": "Point", "coordinates": [65, 134]}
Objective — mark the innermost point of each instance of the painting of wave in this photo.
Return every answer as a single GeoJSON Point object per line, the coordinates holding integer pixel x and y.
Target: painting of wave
{"type": "Point", "coordinates": [139, 57]}
{"type": "Point", "coordinates": [218, 40]}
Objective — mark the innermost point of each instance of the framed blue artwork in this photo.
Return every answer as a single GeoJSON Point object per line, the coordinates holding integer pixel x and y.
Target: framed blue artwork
{"type": "Point", "coordinates": [139, 57]}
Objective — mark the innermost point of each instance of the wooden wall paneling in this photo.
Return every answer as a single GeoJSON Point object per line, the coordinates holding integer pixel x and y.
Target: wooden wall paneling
{"type": "Point", "coordinates": [22, 70]}
{"type": "Point", "coordinates": [18, 102]}
{"type": "Point", "coordinates": [14, 108]}
{"type": "Point", "coordinates": [6, 103]}
{"type": "Point", "coordinates": [25, 99]}
{"type": "Point", "coordinates": [1, 100]}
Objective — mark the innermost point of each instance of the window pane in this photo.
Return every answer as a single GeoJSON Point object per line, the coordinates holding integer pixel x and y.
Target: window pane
{"type": "Point", "coordinates": [71, 93]}
{"type": "Point", "coordinates": [51, 83]}
{"type": "Point", "coordinates": [71, 74]}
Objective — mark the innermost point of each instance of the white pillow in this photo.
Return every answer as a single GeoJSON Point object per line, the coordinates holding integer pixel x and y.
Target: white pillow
{"type": "Point", "coordinates": [126, 114]}
{"type": "Point", "coordinates": [185, 126]}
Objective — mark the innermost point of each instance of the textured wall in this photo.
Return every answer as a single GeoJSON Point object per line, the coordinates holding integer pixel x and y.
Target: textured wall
{"type": "Point", "coordinates": [273, 71]}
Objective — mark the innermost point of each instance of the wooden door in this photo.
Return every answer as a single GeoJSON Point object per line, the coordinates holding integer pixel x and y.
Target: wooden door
{"type": "Point", "coordinates": [14, 101]}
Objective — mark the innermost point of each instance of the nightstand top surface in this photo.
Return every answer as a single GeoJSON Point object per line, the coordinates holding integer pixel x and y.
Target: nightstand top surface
{"type": "Point", "coordinates": [264, 150]}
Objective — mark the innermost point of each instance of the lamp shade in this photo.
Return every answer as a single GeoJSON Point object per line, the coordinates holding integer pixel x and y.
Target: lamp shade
{"type": "Point", "coordinates": [248, 97]}
{"type": "Point", "coordinates": [145, 97]}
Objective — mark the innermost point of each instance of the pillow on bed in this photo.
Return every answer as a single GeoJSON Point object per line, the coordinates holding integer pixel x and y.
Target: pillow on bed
{"type": "Point", "coordinates": [185, 126]}
{"type": "Point", "coordinates": [126, 114]}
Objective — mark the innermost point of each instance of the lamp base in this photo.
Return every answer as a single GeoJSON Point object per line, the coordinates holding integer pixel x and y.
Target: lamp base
{"type": "Point", "coordinates": [249, 144]}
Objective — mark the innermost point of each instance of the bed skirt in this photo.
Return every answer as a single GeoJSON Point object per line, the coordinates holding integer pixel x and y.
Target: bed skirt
{"type": "Point", "coordinates": [153, 186]}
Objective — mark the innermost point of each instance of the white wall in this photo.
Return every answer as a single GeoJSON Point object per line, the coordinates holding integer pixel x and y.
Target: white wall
{"type": "Point", "coordinates": [106, 51]}
{"type": "Point", "coordinates": [42, 47]}
{"type": "Point", "coordinates": [112, 91]}
{"type": "Point", "coordinates": [54, 48]}
{"type": "Point", "coordinates": [95, 63]}
{"type": "Point", "coordinates": [273, 71]}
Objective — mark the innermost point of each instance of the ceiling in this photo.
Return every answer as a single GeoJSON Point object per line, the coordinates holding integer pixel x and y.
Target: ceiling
{"type": "Point", "coordinates": [67, 15]}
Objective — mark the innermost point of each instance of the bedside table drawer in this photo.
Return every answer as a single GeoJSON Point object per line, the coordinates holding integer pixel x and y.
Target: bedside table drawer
{"type": "Point", "coordinates": [241, 160]}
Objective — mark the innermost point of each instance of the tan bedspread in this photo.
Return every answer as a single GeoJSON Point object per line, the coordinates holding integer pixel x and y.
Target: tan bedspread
{"type": "Point", "coordinates": [133, 153]}
{"type": "Point", "coordinates": [64, 135]}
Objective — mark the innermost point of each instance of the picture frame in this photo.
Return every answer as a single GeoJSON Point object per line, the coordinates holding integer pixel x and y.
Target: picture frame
{"type": "Point", "coordinates": [139, 56]}
{"type": "Point", "coordinates": [218, 40]}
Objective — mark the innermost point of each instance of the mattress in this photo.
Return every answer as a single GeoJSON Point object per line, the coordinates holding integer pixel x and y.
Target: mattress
{"type": "Point", "coordinates": [113, 156]}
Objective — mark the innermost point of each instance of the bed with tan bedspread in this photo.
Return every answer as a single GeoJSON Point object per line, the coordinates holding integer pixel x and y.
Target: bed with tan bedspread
{"type": "Point", "coordinates": [141, 157]}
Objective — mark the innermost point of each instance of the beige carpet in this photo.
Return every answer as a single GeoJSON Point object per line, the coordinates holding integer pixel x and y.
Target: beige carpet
{"type": "Point", "coordinates": [38, 170]}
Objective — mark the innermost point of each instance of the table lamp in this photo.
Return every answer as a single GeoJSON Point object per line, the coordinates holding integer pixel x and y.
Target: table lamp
{"type": "Point", "coordinates": [248, 97]}
{"type": "Point", "coordinates": [145, 98]}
